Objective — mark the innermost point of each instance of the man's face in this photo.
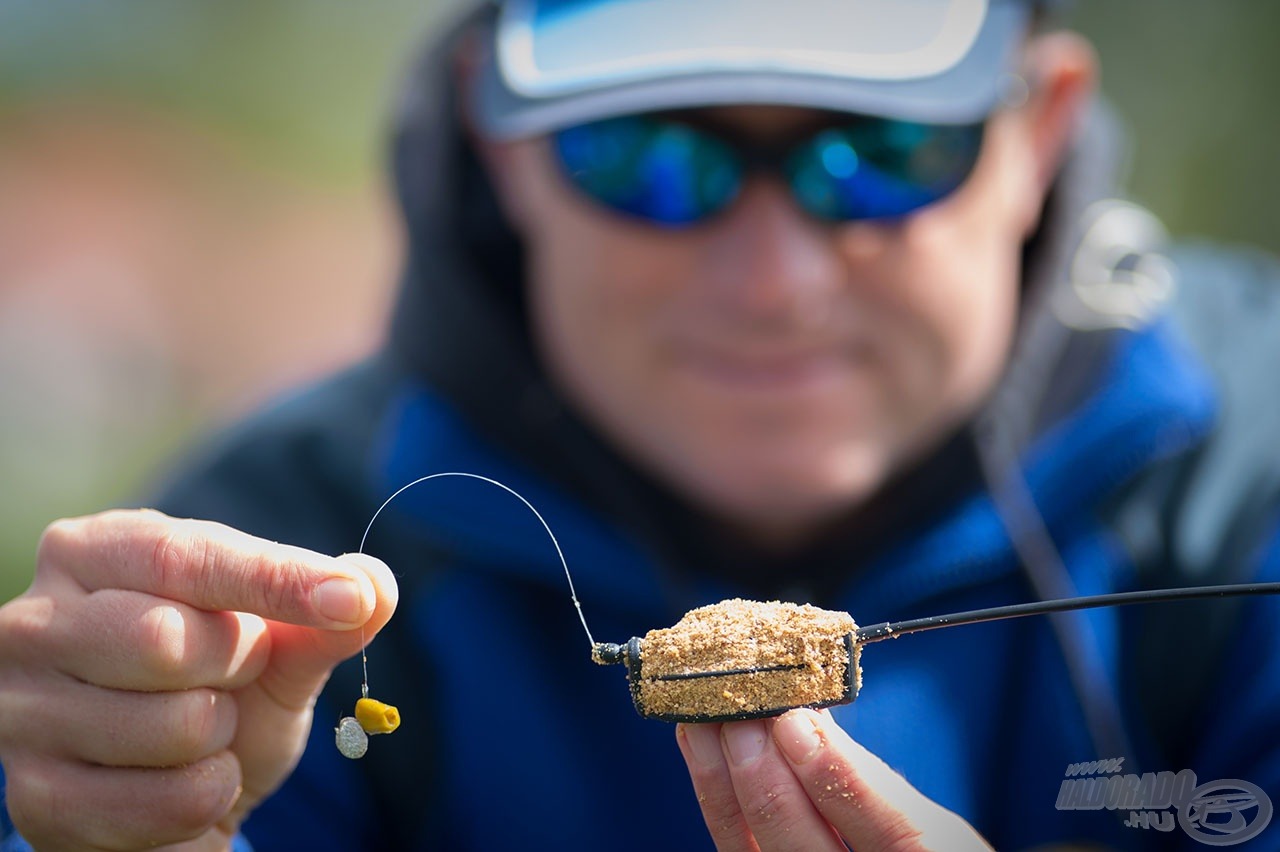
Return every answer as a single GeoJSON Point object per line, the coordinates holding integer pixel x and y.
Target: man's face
{"type": "Point", "coordinates": [773, 368]}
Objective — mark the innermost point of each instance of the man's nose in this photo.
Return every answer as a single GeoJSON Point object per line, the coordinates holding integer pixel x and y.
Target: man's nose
{"type": "Point", "coordinates": [769, 262]}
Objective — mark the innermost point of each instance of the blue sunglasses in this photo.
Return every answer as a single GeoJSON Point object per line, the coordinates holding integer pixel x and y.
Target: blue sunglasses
{"type": "Point", "coordinates": [669, 171]}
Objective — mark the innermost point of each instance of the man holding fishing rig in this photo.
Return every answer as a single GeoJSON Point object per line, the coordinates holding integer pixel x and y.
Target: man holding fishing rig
{"type": "Point", "coordinates": [821, 302]}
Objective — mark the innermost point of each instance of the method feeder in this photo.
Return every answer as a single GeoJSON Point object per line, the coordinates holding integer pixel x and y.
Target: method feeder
{"type": "Point", "coordinates": [740, 659]}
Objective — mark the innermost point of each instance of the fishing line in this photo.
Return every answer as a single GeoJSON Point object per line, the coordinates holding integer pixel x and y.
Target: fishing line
{"type": "Point", "coordinates": [573, 594]}
{"type": "Point", "coordinates": [374, 717]}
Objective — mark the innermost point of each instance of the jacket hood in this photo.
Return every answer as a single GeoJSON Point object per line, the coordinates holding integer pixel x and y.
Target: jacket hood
{"type": "Point", "coordinates": [460, 327]}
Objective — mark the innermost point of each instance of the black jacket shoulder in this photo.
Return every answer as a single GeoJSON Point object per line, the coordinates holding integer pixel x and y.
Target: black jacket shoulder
{"type": "Point", "coordinates": [1202, 517]}
{"type": "Point", "coordinates": [295, 471]}
{"type": "Point", "coordinates": [1214, 499]}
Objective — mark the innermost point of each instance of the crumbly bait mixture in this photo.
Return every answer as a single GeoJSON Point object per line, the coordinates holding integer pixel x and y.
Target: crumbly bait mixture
{"type": "Point", "coordinates": [796, 656]}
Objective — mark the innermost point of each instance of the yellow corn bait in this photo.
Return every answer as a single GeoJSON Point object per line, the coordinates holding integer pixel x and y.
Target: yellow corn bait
{"type": "Point", "coordinates": [376, 717]}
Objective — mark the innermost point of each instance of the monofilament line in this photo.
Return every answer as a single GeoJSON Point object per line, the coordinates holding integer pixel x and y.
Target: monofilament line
{"type": "Point", "coordinates": [573, 594]}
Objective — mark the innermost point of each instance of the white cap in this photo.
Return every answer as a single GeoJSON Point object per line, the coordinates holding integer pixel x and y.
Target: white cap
{"type": "Point", "coordinates": [555, 63]}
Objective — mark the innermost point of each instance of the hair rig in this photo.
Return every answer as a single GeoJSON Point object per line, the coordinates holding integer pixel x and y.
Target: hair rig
{"type": "Point", "coordinates": [373, 716]}
{"type": "Point", "coordinates": [741, 659]}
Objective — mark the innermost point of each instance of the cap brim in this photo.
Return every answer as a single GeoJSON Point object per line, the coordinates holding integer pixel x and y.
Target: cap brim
{"type": "Point", "coordinates": [556, 63]}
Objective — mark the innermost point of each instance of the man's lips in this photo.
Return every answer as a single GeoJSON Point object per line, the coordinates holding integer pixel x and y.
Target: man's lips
{"type": "Point", "coordinates": [773, 371]}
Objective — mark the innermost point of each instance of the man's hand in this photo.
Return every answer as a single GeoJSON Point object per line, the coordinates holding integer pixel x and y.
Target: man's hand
{"type": "Point", "coordinates": [157, 680]}
{"type": "Point", "coordinates": [799, 782]}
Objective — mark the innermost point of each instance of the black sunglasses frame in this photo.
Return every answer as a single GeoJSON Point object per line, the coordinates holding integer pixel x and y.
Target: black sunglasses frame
{"type": "Point", "coordinates": [755, 159]}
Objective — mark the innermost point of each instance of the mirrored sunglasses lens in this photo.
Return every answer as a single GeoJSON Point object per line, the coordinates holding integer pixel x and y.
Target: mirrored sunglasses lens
{"type": "Point", "coordinates": [661, 171]}
{"type": "Point", "coordinates": [881, 169]}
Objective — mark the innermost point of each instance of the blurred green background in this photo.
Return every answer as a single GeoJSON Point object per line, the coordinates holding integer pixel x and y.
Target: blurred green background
{"type": "Point", "coordinates": [193, 214]}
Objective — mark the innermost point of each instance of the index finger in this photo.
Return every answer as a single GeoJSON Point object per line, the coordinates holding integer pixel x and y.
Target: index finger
{"type": "Point", "coordinates": [208, 565]}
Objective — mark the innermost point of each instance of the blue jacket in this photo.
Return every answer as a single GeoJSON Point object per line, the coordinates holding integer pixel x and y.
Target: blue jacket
{"type": "Point", "coordinates": [1146, 452]}
{"type": "Point", "coordinates": [529, 745]}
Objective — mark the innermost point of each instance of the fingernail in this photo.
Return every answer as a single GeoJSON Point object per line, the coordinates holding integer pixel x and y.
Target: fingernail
{"type": "Point", "coordinates": [796, 733]}
{"type": "Point", "coordinates": [744, 741]}
{"type": "Point", "coordinates": [704, 742]}
{"type": "Point", "coordinates": [339, 598]}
